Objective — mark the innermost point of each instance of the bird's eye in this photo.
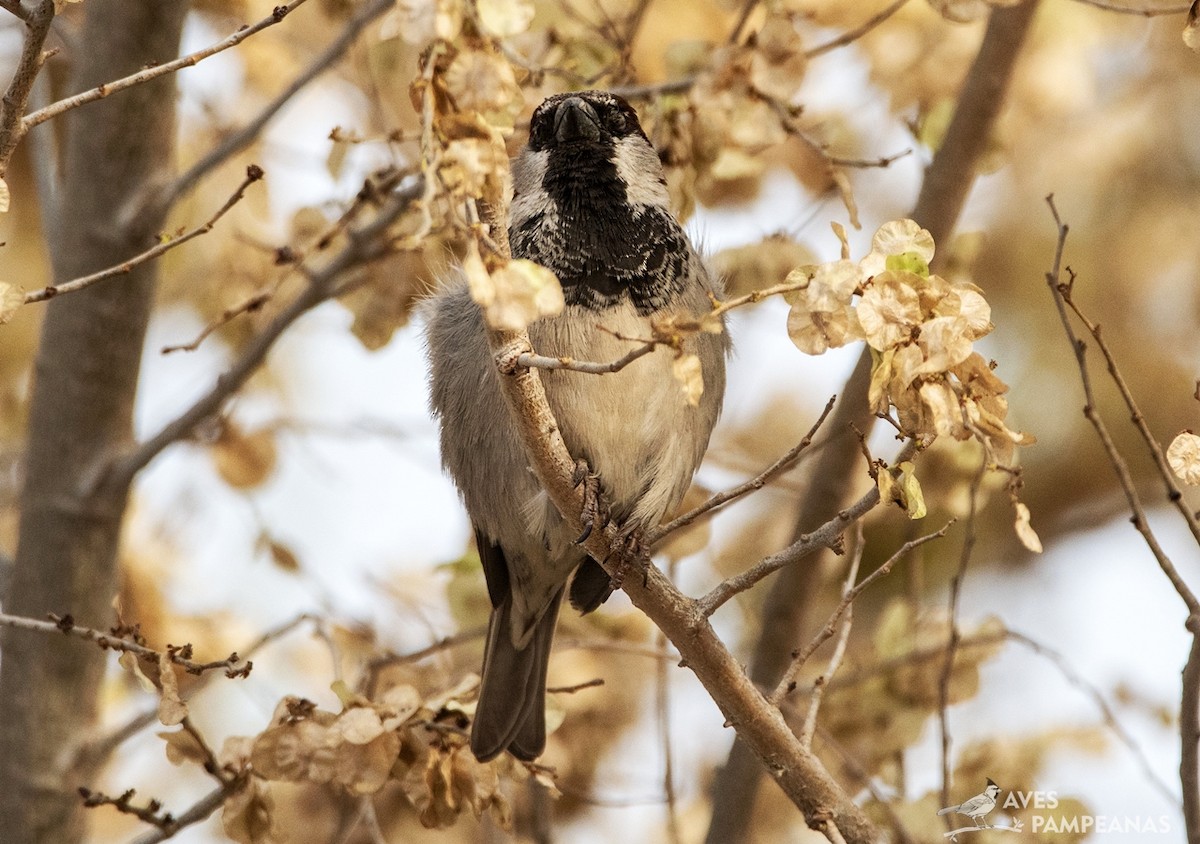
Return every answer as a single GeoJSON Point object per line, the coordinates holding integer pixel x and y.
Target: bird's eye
{"type": "Point", "coordinates": [614, 121]}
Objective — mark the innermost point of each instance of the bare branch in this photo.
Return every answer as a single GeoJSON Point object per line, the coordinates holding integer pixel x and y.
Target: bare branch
{"type": "Point", "coordinates": [14, 7]}
{"type": "Point", "coordinates": [120, 640]}
{"type": "Point", "coordinates": [788, 682]}
{"type": "Point", "coordinates": [528, 359]}
{"type": "Point", "coordinates": [1189, 707]}
{"type": "Point", "coordinates": [93, 754]}
{"type": "Point", "coordinates": [722, 498]}
{"type": "Point", "coordinates": [141, 77]}
{"type": "Point", "coordinates": [839, 649]}
{"type": "Point", "coordinates": [16, 97]}
{"type": "Point", "coordinates": [952, 640]}
{"type": "Point", "coordinates": [797, 771]}
{"type": "Point", "coordinates": [850, 36]}
{"type": "Point", "coordinates": [253, 174]}
{"type": "Point", "coordinates": [365, 245]}
{"type": "Point", "coordinates": [1131, 10]}
{"type": "Point", "coordinates": [199, 811]}
{"type": "Point", "coordinates": [243, 137]}
{"type": "Point", "coordinates": [827, 535]}
{"type": "Point", "coordinates": [1090, 411]}
{"type": "Point", "coordinates": [595, 682]}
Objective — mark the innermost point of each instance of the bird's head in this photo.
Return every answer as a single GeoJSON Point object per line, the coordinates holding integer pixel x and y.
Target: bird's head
{"type": "Point", "coordinates": [587, 148]}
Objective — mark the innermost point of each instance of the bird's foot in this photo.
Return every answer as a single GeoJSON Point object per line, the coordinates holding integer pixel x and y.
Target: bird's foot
{"type": "Point", "coordinates": [629, 552]}
{"type": "Point", "coordinates": [594, 513]}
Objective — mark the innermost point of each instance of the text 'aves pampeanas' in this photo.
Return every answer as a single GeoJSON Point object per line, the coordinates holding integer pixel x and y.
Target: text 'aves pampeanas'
{"type": "Point", "coordinates": [590, 203]}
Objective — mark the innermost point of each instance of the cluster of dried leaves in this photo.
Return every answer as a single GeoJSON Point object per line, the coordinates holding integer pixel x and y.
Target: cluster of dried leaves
{"type": "Point", "coordinates": [400, 739]}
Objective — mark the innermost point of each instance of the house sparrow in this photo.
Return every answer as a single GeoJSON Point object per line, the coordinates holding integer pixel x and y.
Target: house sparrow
{"type": "Point", "coordinates": [977, 806]}
{"type": "Point", "coordinates": [590, 203]}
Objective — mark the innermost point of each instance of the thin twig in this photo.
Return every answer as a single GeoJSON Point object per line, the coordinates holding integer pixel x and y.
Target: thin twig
{"type": "Point", "coordinates": [529, 359]}
{"type": "Point", "coordinates": [199, 811]}
{"type": "Point", "coordinates": [248, 305]}
{"type": "Point", "coordinates": [952, 640]}
{"type": "Point", "coordinates": [826, 536]}
{"type": "Point", "coordinates": [662, 712]}
{"type": "Point", "coordinates": [855, 769]}
{"type": "Point", "coordinates": [766, 476]}
{"type": "Point", "coordinates": [852, 35]}
{"type": "Point", "coordinates": [593, 683]}
{"type": "Point", "coordinates": [94, 753]}
{"type": "Point", "coordinates": [1189, 706]}
{"type": "Point", "coordinates": [14, 7]}
{"type": "Point", "coordinates": [243, 137]}
{"type": "Point", "coordinates": [864, 163]}
{"type": "Point", "coordinates": [739, 26]}
{"type": "Point", "coordinates": [147, 74]}
{"type": "Point", "coordinates": [787, 683]}
{"type": "Point", "coordinates": [1130, 10]}
{"type": "Point", "coordinates": [16, 97]}
{"type": "Point", "coordinates": [1077, 680]}
{"type": "Point", "coordinates": [253, 174]}
{"type": "Point", "coordinates": [232, 665]}
{"type": "Point", "coordinates": [365, 245]}
{"type": "Point", "coordinates": [839, 648]}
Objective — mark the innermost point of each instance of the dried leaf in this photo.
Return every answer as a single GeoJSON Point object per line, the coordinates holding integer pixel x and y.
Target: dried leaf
{"type": "Point", "coordinates": [182, 747]}
{"type": "Point", "coordinates": [129, 662]}
{"type": "Point", "coordinates": [1183, 455]}
{"type": "Point", "coordinates": [889, 310]}
{"type": "Point", "coordinates": [247, 818]}
{"type": "Point", "coordinates": [5, 196]}
{"type": "Point", "coordinates": [1025, 531]}
{"type": "Point", "coordinates": [11, 298]}
{"type": "Point", "coordinates": [522, 291]}
{"type": "Point", "coordinates": [505, 18]}
{"type": "Point", "coordinates": [244, 460]}
{"type": "Point", "coordinates": [283, 557]}
{"type": "Point", "coordinates": [914, 498]}
{"type": "Point", "coordinates": [1191, 31]}
{"type": "Point", "coordinates": [171, 708]}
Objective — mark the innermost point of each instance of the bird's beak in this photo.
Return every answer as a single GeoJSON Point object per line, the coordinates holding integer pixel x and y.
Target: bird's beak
{"type": "Point", "coordinates": [575, 120]}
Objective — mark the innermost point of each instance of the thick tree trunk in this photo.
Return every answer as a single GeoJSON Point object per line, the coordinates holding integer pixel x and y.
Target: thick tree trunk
{"type": "Point", "coordinates": [81, 410]}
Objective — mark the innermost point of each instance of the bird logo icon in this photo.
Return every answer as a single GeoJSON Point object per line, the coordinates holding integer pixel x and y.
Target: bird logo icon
{"type": "Point", "coordinates": [977, 806]}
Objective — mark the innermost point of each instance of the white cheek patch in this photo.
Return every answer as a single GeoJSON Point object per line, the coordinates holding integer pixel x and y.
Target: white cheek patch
{"type": "Point", "coordinates": [639, 168]}
{"type": "Point", "coordinates": [529, 197]}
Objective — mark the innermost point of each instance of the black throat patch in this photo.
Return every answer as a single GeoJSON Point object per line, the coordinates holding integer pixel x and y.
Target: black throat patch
{"type": "Point", "coordinates": [601, 247]}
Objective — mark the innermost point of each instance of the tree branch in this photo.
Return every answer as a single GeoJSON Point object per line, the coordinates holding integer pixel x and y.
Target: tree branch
{"type": "Point", "coordinates": [253, 174]}
{"type": "Point", "coordinates": [150, 73]}
{"type": "Point", "coordinates": [788, 682]}
{"type": "Point", "coordinates": [943, 192]}
{"type": "Point", "coordinates": [16, 97]}
{"type": "Point", "coordinates": [243, 137]}
{"type": "Point", "coordinates": [756, 483]}
{"type": "Point", "coordinates": [1130, 10]}
{"type": "Point", "coordinates": [365, 245]}
{"type": "Point", "coordinates": [1189, 706]}
{"type": "Point", "coordinates": [797, 771]}
{"type": "Point", "coordinates": [233, 665]}
{"type": "Point", "coordinates": [852, 35]}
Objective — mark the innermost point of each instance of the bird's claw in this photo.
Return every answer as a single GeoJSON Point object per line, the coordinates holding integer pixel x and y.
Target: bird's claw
{"type": "Point", "coordinates": [628, 551]}
{"type": "Point", "coordinates": [593, 513]}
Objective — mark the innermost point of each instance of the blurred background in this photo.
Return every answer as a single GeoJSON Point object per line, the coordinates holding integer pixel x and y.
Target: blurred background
{"type": "Point", "coordinates": [318, 490]}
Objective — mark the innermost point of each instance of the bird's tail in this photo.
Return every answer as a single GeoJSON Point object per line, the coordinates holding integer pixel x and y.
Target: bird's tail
{"type": "Point", "coordinates": [947, 810]}
{"type": "Point", "coordinates": [511, 713]}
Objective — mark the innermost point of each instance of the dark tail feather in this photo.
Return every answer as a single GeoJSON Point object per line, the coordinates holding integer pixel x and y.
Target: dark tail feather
{"type": "Point", "coordinates": [590, 587]}
{"type": "Point", "coordinates": [511, 714]}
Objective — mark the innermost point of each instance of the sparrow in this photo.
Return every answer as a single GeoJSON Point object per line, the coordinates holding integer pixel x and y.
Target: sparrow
{"type": "Point", "coordinates": [590, 203]}
{"type": "Point", "coordinates": [977, 806]}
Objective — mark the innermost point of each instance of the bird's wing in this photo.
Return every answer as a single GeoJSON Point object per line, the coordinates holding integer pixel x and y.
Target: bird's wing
{"type": "Point", "coordinates": [975, 804]}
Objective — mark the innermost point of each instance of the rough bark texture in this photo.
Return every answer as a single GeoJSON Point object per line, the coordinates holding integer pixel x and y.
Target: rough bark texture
{"type": "Point", "coordinates": [81, 409]}
{"type": "Point", "coordinates": [944, 190]}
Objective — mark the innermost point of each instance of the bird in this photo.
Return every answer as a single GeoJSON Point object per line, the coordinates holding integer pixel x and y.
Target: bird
{"type": "Point", "coordinates": [977, 806]}
{"type": "Point", "coordinates": [590, 203]}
